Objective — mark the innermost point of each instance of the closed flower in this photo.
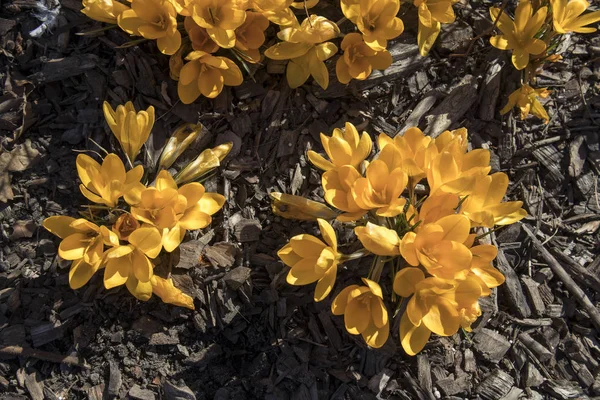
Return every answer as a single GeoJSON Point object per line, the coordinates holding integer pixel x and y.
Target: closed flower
{"type": "Point", "coordinates": [131, 128]}
{"type": "Point", "coordinates": [298, 207]}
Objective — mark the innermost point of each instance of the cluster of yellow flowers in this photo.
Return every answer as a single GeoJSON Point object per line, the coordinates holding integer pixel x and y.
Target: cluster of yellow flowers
{"type": "Point", "coordinates": [532, 36]}
{"type": "Point", "coordinates": [239, 26]}
{"type": "Point", "coordinates": [193, 31]}
{"type": "Point", "coordinates": [427, 241]}
{"type": "Point", "coordinates": [123, 237]}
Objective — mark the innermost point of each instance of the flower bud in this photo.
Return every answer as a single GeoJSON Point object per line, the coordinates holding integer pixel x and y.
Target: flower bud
{"type": "Point", "coordinates": [125, 225]}
{"type": "Point", "coordinates": [297, 207]}
{"type": "Point", "coordinates": [182, 138]}
{"type": "Point", "coordinates": [208, 160]}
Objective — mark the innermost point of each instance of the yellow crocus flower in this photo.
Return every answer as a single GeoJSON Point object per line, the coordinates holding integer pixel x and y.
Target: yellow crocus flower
{"type": "Point", "coordinates": [482, 268]}
{"type": "Point", "coordinates": [220, 18]}
{"type": "Point", "coordinates": [175, 210]}
{"type": "Point", "coordinates": [83, 243]}
{"type": "Point", "coordinates": [103, 10]}
{"type": "Point", "coordinates": [344, 147]}
{"type": "Point", "coordinates": [375, 19]}
{"type": "Point", "coordinates": [526, 99]}
{"type": "Point", "coordinates": [484, 206]}
{"type": "Point", "coordinates": [519, 35]}
{"type": "Point", "coordinates": [298, 207]}
{"type": "Point", "coordinates": [364, 312]}
{"type": "Point", "coordinates": [413, 151]}
{"type": "Point", "coordinates": [337, 184]}
{"type": "Point", "coordinates": [251, 35]}
{"type": "Point", "coordinates": [130, 264]}
{"type": "Point", "coordinates": [567, 16]}
{"type": "Point", "coordinates": [381, 189]}
{"type": "Point", "coordinates": [304, 48]}
{"type": "Point", "coordinates": [439, 247]}
{"type": "Point", "coordinates": [153, 19]}
{"type": "Point", "coordinates": [199, 37]}
{"type": "Point", "coordinates": [437, 305]}
{"type": "Point", "coordinates": [107, 183]}
{"type": "Point", "coordinates": [206, 75]}
{"type": "Point", "coordinates": [454, 172]}
{"type": "Point", "coordinates": [304, 4]}
{"type": "Point", "coordinates": [312, 260]}
{"type": "Point", "coordinates": [130, 128]}
{"type": "Point", "coordinates": [359, 60]}
{"type": "Point", "coordinates": [432, 13]}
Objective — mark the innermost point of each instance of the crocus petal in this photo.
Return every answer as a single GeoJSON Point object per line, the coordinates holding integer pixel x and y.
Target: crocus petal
{"type": "Point", "coordinates": [338, 305]}
{"type": "Point", "coordinates": [325, 284]}
{"type": "Point", "coordinates": [59, 226]}
{"type": "Point", "coordinates": [148, 240]}
{"type": "Point", "coordinates": [413, 338]}
{"type": "Point", "coordinates": [140, 289]}
{"type": "Point", "coordinates": [80, 273]}
{"type": "Point", "coordinates": [116, 272]}
{"type": "Point", "coordinates": [406, 279]}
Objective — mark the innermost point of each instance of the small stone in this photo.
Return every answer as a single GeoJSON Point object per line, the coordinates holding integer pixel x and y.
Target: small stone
{"type": "Point", "coordinates": [162, 339]}
{"type": "Point", "coordinates": [181, 392]}
{"type": "Point", "coordinates": [137, 393]}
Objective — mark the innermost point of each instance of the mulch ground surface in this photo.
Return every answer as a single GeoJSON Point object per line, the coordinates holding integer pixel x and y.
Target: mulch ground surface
{"type": "Point", "coordinates": [252, 335]}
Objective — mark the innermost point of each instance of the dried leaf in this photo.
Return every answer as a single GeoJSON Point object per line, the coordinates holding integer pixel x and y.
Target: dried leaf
{"type": "Point", "coordinates": [19, 159]}
{"type": "Point", "coordinates": [6, 192]}
{"type": "Point", "coordinates": [23, 229]}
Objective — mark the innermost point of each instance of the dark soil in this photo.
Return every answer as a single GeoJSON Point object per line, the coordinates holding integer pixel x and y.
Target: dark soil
{"type": "Point", "coordinates": [252, 335]}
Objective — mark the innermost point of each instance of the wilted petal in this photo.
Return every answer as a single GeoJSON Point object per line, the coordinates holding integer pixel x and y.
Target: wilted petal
{"type": "Point", "coordinates": [165, 289]}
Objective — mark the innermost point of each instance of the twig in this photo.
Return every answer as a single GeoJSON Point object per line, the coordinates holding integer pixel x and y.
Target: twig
{"type": "Point", "coordinates": [43, 355]}
{"type": "Point", "coordinates": [566, 279]}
